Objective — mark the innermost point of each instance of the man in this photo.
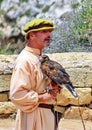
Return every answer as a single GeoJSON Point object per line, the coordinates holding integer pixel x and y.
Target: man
{"type": "Point", "coordinates": [28, 83]}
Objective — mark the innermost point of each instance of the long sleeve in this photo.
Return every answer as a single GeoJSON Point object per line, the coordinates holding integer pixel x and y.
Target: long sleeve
{"type": "Point", "coordinates": [24, 83]}
{"type": "Point", "coordinates": [22, 94]}
{"type": "Point", "coordinates": [27, 81]}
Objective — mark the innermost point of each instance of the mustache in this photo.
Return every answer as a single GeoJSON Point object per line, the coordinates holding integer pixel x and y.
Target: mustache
{"type": "Point", "coordinates": [48, 38]}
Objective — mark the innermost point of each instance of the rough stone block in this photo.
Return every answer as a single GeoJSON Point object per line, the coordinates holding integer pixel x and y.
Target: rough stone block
{"type": "Point", "coordinates": [65, 97]}
{"type": "Point", "coordinates": [78, 112]}
{"type": "Point", "coordinates": [5, 82]}
{"type": "Point", "coordinates": [7, 108]}
{"type": "Point", "coordinates": [3, 97]}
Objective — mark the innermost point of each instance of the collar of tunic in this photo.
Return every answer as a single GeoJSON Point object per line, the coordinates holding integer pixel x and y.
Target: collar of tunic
{"type": "Point", "coordinates": [33, 50]}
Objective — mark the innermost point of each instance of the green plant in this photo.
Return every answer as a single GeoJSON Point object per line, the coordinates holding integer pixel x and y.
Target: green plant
{"type": "Point", "coordinates": [6, 50]}
{"type": "Point", "coordinates": [28, 12]}
{"type": "Point", "coordinates": [83, 21]}
{"type": "Point", "coordinates": [1, 1]}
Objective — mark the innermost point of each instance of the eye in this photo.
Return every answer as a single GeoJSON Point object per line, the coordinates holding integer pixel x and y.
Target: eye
{"type": "Point", "coordinates": [44, 31]}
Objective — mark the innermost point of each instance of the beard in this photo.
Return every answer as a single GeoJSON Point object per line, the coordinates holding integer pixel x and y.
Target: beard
{"type": "Point", "coordinates": [47, 42]}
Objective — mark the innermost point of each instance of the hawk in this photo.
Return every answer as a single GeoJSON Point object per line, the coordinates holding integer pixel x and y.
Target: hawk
{"type": "Point", "coordinates": [56, 73]}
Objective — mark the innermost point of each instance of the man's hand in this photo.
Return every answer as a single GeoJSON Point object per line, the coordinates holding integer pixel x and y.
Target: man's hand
{"type": "Point", "coordinates": [49, 93]}
{"type": "Point", "coordinates": [55, 88]}
{"type": "Point", "coordinates": [45, 97]}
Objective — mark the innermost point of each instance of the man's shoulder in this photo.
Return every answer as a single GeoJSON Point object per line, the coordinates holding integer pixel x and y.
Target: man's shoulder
{"type": "Point", "coordinates": [26, 57]}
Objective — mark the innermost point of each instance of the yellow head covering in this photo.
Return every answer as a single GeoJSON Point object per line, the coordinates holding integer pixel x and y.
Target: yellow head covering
{"type": "Point", "coordinates": [36, 25]}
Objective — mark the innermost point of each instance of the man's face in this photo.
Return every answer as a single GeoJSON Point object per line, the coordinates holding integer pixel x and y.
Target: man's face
{"type": "Point", "coordinates": [42, 38]}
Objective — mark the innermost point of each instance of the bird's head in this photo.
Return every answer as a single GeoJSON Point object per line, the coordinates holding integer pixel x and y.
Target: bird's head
{"type": "Point", "coordinates": [44, 58]}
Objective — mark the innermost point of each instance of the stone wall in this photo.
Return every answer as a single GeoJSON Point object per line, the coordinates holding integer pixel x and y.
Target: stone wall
{"type": "Point", "coordinates": [79, 67]}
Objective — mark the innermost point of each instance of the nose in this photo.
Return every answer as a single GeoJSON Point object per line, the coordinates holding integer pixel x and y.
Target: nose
{"type": "Point", "coordinates": [48, 33]}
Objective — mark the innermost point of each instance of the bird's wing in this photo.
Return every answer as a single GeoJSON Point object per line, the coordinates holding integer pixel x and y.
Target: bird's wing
{"type": "Point", "coordinates": [55, 74]}
{"type": "Point", "coordinates": [58, 75]}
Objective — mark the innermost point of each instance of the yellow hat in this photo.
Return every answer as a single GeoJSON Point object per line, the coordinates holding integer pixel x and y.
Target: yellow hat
{"type": "Point", "coordinates": [37, 25]}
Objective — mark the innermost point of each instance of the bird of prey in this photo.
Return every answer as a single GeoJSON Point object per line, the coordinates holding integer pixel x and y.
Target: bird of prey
{"type": "Point", "coordinates": [56, 73]}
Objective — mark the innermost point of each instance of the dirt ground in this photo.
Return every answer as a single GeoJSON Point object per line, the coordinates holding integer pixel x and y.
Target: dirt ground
{"type": "Point", "coordinates": [64, 124]}
{"type": "Point", "coordinates": [69, 124]}
{"type": "Point", "coordinates": [7, 124]}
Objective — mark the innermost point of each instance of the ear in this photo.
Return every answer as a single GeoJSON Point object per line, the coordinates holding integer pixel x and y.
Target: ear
{"type": "Point", "coordinates": [32, 34]}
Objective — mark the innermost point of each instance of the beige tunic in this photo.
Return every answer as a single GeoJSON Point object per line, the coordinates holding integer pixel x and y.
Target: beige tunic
{"type": "Point", "coordinates": [26, 82]}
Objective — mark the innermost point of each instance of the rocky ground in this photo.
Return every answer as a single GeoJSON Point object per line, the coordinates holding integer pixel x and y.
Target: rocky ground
{"type": "Point", "coordinates": [65, 124]}
{"type": "Point", "coordinates": [7, 124]}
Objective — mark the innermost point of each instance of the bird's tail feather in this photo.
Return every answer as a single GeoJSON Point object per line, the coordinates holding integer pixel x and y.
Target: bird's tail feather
{"type": "Point", "coordinates": [71, 89]}
{"type": "Point", "coordinates": [69, 86]}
